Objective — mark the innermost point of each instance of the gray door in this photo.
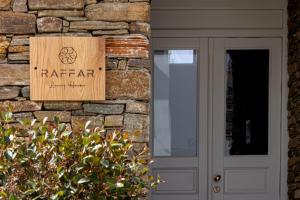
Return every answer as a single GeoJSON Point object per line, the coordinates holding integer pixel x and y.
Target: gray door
{"type": "Point", "coordinates": [245, 120]}
{"type": "Point", "coordinates": [216, 124]}
{"type": "Point", "coordinates": [179, 118]}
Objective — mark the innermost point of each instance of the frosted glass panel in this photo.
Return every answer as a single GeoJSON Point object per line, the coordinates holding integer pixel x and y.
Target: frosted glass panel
{"type": "Point", "coordinates": [175, 103]}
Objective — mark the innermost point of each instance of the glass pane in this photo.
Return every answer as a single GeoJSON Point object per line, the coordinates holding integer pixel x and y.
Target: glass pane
{"type": "Point", "coordinates": [175, 103]}
{"type": "Point", "coordinates": [181, 56]}
{"type": "Point", "coordinates": [247, 98]}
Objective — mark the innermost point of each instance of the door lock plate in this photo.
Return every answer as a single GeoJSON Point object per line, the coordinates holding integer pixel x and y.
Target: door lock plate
{"type": "Point", "coordinates": [216, 189]}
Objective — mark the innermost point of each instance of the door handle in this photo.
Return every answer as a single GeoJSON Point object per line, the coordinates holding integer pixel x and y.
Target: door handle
{"type": "Point", "coordinates": [216, 188]}
{"type": "Point", "coordinates": [217, 178]}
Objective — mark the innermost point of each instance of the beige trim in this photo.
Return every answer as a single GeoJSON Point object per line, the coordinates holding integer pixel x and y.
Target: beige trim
{"type": "Point", "coordinates": [217, 19]}
{"type": "Point", "coordinates": [217, 4]}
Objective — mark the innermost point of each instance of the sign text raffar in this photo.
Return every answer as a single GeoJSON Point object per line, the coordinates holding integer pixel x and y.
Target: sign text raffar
{"type": "Point", "coordinates": [64, 73]}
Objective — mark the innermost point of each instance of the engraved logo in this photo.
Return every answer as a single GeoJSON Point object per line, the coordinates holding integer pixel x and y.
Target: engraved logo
{"type": "Point", "coordinates": [67, 55]}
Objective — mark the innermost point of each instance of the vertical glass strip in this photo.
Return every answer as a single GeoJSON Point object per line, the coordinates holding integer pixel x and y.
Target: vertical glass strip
{"type": "Point", "coordinates": [175, 103]}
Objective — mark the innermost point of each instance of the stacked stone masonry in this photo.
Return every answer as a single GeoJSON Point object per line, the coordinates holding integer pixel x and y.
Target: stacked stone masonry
{"type": "Point", "coordinates": [294, 100]}
{"type": "Point", "coordinates": [124, 24]}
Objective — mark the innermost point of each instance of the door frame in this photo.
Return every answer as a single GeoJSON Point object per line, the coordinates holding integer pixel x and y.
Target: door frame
{"type": "Point", "coordinates": [282, 34]}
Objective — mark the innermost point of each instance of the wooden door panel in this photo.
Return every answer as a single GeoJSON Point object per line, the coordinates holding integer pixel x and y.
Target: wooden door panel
{"type": "Point", "coordinates": [177, 181]}
{"type": "Point", "coordinates": [175, 197]}
{"type": "Point", "coordinates": [246, 180]}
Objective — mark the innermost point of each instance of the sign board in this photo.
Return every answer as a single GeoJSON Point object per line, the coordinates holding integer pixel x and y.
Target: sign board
{"type": "Point", "coordinates": [67, 68]}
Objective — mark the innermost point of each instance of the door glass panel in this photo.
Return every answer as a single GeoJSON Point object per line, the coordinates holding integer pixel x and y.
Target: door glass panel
{"type": "Point", "coordinates": [247, 96]}
{"type": "Point", "coordinates": [175, 103]}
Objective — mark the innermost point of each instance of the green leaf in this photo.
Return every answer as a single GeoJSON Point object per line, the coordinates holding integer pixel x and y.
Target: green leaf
{"type": "Point", "coordinates": [9, 154]}
{"type": "Point", "coordinates": [61, 193]}
{"type": "Point", "coordinates": [96, 147]}
{"type": "Point", "coordinates": [87, 157]}
{"type": "Point", "coordinates": [46, 135]}
{"type": "Point", "coordinates": [56, 120]}
{"type": "Point", "coordinates": [33, 122]}
{"type": "Point", "coordinates": [8, 116]}
{"type": "Point", "coordinates": [57, 195]}
{"type": "Point", "coordinates": [87, 124]}
{"type": "Point", "coordinates": [25, 122]}
{"type": "Point", "coordinates": [8, 139]}
{"type": "Point", "coordinates": [54, 197]}
{"type": "Point", "coordinates": [104, 163]}
{"type": "Point", "coordinates": [73, 189]}
{"type": "Point", "coordinates": [62, 127]}
{"type": "Point", "coordinates": [85, 141]}
{"type": "Point", "coordinates": [53, 159]}
{"type": "Point", "coordinates": [116, 145]}
{"type": "Point", "coordinates": [66, 133]}
{"type": "Point", "coordinates": [43, 129]}
{"type": "Point", "coordinates": [12, 197]}
{"type": "Point", "coordinates": [30, 191]}
{"type": "Point", "coordinates": [9, 131]}
{"type": "Point", "coordinates": [60, 171]}
{"type": "Point", "coordinates": [37, 197]}
{"type": "Point", "coordinates": [3, 194]}
{"type": "Point", "coordinates": [45, 120]}
{"type": "Point", "coordinates": [119, 185]}
{"type": "Point", "coordinates": [83, 180]}
{"type": "Point", "coordinates": [78, 169]}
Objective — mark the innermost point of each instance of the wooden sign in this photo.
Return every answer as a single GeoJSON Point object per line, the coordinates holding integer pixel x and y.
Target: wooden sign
{"type": "Point", "coordinates": [67, 68]}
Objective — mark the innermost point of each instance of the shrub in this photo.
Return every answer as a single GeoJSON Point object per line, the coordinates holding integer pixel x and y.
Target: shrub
{"type": "Point", "coordinates": [48, 161]}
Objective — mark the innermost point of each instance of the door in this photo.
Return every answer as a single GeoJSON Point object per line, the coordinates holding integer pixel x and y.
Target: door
{"type": "Point", "coordinates": [179, 140]}
{"type": "Point", "coordinates": [216, 124]}
{"type": "Point", "coordinates": [245, 121]}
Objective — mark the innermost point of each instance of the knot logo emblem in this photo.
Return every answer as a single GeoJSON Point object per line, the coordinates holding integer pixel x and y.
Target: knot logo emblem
{"type": "Point", "coordinates": [67, 55]}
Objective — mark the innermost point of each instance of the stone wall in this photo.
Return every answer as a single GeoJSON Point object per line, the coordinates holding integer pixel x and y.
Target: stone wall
{"type": "Point", "coordinates": [294, 99]}
{"type": "Point", "coordinates": [124, 23]}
